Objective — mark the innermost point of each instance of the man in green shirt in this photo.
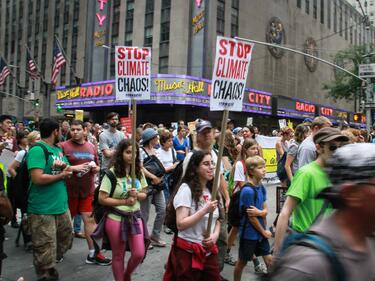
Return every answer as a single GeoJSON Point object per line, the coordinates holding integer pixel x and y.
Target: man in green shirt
{"type": "Point", "coordinates": [307, 183]}
{"type": "Point", "coordinates": [49, 216]}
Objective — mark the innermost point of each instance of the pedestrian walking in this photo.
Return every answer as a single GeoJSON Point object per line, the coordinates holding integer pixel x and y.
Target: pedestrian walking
{"type": "Point", "coordinates": [253, 223]}
{"type": "Point", "coordinates": [48, 213]}
{"type": "Point", "coordinates": [309, 180]}
{"type": "Point", "coordinates": [81, 186]}
{"type": "Point", "coordinates": [194, 256]}
{"type": "Point", "coordinates": [348, 234]}
{"type": "Point", "coordinates": [124, 225]}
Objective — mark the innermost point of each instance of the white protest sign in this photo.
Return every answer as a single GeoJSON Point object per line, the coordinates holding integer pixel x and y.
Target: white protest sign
{"type": "Point", "coordinates": [133, 73]}
{"type": "Point", "coordinates": [282, 123]}
{"type": "Point", "coordinates": [229, 74]}
{"type": "Point", "coordinates": [249, 121]}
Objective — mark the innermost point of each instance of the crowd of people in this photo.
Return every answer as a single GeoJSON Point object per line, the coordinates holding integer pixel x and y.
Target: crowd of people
{"type": "Point", "coordinates": [74, 168]}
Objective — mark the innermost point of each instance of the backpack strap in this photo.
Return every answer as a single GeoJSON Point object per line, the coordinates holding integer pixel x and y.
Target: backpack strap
{"type": "Point", "coordinates": [317, 242]}
{"type": "Point", "coordinates": [244, 210]}
{"type": "Point", "coordinates": [113, 181]}
{"type": "Point", "coordinates": [173, 155]}
{"type": "Point", "coordinates": [44, 148]}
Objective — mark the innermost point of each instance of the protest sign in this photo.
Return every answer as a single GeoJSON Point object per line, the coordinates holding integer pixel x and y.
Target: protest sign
{"type": "Point", "coordinates": [229, 74]}
{"type": "Point", "coordinates": [282, 123]}
{"type": "Point", "coordinates": [133, 73]}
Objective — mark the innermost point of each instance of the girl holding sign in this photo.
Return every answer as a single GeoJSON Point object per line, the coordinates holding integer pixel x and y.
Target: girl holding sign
{"type": "Point", "coordinates": [193, 256]}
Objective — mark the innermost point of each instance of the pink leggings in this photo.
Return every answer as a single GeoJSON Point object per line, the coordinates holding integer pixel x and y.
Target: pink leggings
{"type": "Point", "coordinates": [137, 248]}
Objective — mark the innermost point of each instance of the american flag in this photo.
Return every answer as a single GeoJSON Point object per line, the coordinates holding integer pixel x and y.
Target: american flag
{"type": "Point", "coordinates": [31, 66]}
{"type": "Point", "coordinates": [58, 62]}
{"type": "Point", "coordinates": [4, 71]}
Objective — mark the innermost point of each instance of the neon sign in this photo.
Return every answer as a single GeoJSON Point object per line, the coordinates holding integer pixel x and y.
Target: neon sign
{"type": "Point", "coordinates": [101, 18]}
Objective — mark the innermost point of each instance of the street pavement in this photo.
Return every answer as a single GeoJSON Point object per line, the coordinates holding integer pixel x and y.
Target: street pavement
{"type": "Point", "coordinates": [19, 263]}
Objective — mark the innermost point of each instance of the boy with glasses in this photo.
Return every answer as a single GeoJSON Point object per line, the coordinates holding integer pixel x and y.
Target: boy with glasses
{"type": "Point", "coordinates": [307, 183]}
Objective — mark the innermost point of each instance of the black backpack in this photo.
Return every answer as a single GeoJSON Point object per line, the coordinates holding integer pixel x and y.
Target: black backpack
{"type": "Point", "coordinates": [99, 210]}
{"type": "Point", "coordinates": [281, 172]}
{"type": "Point", "coordinates": [21, 183]}
{"type": "Point", "coordinates": [234, 212]}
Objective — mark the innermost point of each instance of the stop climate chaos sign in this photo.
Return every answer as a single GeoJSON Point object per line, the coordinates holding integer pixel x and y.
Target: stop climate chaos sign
{"type": "Point", "coordinates": [133, 73]}
{"type": "Point", "coordinates": [229, 75]}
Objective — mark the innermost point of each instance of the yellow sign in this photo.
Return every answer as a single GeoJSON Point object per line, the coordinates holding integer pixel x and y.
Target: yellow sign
{"type": "Point", "coordinates": [79, 114]}
{"type": "Point", "coordinates": [290, 124]}
{"type": "Point", "coordinates": [191, 87]}
{"type": "Point", "coordinates": [197, 23]}
{"type": "Point", "coordinates": [269, 155]}
{"type": "Point", "coordinates": [68, 93]}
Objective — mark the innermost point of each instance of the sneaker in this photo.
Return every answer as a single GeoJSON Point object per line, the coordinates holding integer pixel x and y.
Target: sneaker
{"type": "Point", "coordinates": [167, 230]}
{"type": "Point", "coordinates": [79, 235]}
{"type": "Point", "coordinates": [59, 259]}
{"type": "Point", "coordinates": [260, 269]}
{"type": "Point", "coordinates": [229, 259]}
{"type": "Point", "coordinates": [157, 242]}
{"type": "Point", "coordinates": [150, 247]}
{"type": "Point", "coordinates": [98, 259]}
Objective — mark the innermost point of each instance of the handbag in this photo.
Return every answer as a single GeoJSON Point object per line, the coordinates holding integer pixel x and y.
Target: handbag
{"type": "Point", "coordinates": [153, 165]}
{"type": "Point", "coordinates": [6, 210]}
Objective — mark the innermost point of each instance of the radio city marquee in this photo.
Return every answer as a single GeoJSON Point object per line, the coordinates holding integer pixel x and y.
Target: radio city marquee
{"type": "Point", "coordinates": [165, 89]}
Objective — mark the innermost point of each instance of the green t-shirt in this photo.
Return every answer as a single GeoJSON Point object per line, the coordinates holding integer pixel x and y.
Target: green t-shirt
{"type": "Point", "coordinates": [307, 183]}
{"type": "Point", "coordinates": [121, 192]}
{"type": "Point", "coordinates": [51, 199]}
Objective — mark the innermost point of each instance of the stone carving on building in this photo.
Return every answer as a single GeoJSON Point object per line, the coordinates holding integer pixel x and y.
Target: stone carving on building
{"type": "Point", "coordinates": [275, 34]}
{"type": "Point", "coordinates": [311, 49]}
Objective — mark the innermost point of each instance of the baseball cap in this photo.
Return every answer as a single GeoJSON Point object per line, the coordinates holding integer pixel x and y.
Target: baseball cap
{"type": "Point", "coordinates": [148, 134]}
{"type": "Point", "coordinates": [329, 134]}
{"type": "Point", "coordinates": [202, 125]}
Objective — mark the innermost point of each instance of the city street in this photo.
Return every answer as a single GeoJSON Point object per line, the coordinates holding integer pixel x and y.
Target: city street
{"type": "Point", "coordinates": [19, 263]}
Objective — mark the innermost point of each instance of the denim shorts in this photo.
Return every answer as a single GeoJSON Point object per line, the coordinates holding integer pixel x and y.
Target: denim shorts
{"type": "Point", "coordinates": [249, 248]}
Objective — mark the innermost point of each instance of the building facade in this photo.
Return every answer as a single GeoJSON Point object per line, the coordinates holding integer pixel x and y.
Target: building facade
{"type": "Point", "coordinates": [182, 35]}
{"type": "Point", "coordinates": [368, 7]}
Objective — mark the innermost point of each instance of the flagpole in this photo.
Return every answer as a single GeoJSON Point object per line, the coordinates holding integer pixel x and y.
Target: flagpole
{"type": "Point", "coordinates": [66, 57]}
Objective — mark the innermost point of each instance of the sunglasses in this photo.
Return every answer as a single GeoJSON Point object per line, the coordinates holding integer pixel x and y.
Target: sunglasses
{"type": "Point", "coordinates": [366, 183]}
{"type": "Point", "coordinates": [333, 147]}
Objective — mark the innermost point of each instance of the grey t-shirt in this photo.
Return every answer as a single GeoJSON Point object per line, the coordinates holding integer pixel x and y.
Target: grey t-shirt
{"type": "Point", "coordinates": [292, 150]}
{"type": "Point", "coordinates": [306, 264]}
{"type": "Point", "coordinates": [306, 152]}
{"type": "Point", "coordinates": [109, 140]}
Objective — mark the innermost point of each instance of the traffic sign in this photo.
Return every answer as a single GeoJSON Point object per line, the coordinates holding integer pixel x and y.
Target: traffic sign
{"type": "Point", "coordinates": [366, 70]}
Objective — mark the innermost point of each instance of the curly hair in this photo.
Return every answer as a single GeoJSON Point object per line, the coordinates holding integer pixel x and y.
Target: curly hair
{"type": "Point", "coordinates": [191, 178]}
{"type": "Point", "coordinates": [230, 144]}
{"type": "Point", "coordinates": [118, 163]}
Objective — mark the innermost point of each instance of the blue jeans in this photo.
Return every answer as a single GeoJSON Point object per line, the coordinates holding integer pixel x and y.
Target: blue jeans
{"type": "Point", "coordinates": [166, 188]}
{"type": "Point", "coordinates": [77, 223]}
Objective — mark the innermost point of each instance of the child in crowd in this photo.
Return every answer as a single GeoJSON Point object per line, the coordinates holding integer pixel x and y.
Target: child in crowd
{"type": "Point", "coordinates": [253, 206]}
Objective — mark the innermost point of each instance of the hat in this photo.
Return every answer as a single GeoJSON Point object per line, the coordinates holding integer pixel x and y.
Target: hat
{"type": "Point", "coordinates": [237, 130]}
{"type": "Point", "coordinates": [202, 125]}
{"type": "Point", "coordinates": [329, 134]}
{"type": "Point", "coordinates": [307, 121]}
{"type": "Point", "coordinates": [350, 163]}
{"type": "Point", "coordinates": [148, 134]}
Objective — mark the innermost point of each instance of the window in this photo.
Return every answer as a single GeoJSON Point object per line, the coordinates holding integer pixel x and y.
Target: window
{"type": "Point", "coordinates": [329, 14]}
{"type": "Point", "coordinates": [315, 9]}
{"type": "Point", "coordinates": [307, 7]}
{"type": "Point", "coordinates": [322, 11]}
{"type": "Point", "coordinates": [299, 3]}
{"type": "Point", "coordinates": [164, 36]}
{"type": "Point", "coordinates": [335, 17]}
{"type": "Point", "coordinates": [340, 21]}
{"type": "Point", "coordinates": [129, 22]}
{"type": "Point", "coordinates": [148, 37]}
{"type": "Point", "coordinates": [346, 23]}
{"type": "Point", "coordinates": [234, 21]}
{"type": "Point", "coordinates": [220, 20]}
